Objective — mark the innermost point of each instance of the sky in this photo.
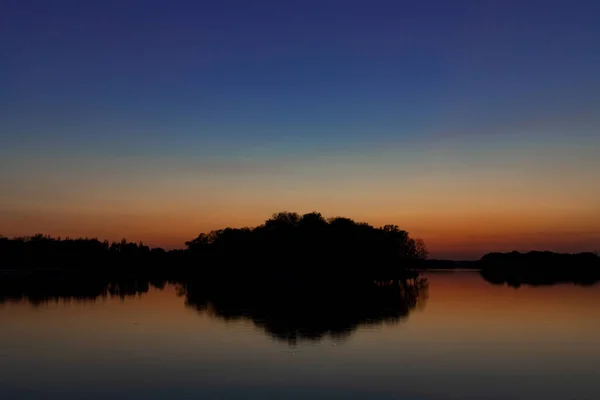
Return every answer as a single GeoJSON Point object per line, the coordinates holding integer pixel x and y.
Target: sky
{"type": "Point", "coordinates": [474, 125]}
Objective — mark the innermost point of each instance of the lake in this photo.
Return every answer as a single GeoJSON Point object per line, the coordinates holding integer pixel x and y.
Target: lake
{"type": "Point", "coordinates": [459, 337]}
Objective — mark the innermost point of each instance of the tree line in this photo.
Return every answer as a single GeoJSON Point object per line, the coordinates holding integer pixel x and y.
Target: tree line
{"type": "Point", "coordinates": [306, 242]}
{"type": "Point", "coordinates": [290, 245]}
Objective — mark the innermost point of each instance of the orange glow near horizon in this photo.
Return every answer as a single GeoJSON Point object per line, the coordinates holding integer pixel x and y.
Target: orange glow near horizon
{"type": "Point", "coordinates": [463, 202]}
{"type": "Point", "coordinates": [446, 235]}
{"type": "Point", "coordinates": [484, 140]}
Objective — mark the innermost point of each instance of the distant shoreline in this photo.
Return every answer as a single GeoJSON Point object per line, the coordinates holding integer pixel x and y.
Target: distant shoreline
{"type": "Point", "coordinates": [288, 247]}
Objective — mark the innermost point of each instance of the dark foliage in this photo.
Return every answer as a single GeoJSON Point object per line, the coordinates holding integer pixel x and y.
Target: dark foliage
{"type": "Point", "coordinates": [42, 252]}
{"type": "Point", "coordinates": [311, 245]}
{"type": "Point", "coordinates": [285, 244]}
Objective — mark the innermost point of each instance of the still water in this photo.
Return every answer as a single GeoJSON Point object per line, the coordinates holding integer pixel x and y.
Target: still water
{"type": "Point", "coordinates": [462, 338]}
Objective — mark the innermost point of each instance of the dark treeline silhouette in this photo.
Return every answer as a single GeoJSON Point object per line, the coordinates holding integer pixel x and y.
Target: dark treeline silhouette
{"type": "Point", "coordinates": [43, 252]}
{"type": "Point", "coordinates": [293, 312]}
{"type": "Point", "coordinates": [311, 244]}
{"type": "Point", "coordinates": [286, 244]}
{"type": "Point", "coordinates": [289, 246]}
{"type": "Point", "coordinates": [531, 268]}
{"type": "Point", "coordinates": [540, 268]}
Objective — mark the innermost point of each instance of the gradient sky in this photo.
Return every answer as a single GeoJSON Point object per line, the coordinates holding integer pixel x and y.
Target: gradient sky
{"type": "Point", "coordinates": [472, 124]}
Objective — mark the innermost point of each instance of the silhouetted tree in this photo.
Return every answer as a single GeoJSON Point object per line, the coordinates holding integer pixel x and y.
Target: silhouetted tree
{"type": "Point", "coordinates": [44, 252]}
{"type": "Point", "coordinates": [311, 245]}
{"type": "Point", "coordinates": [421, 251]}
{"type": "Point", "coordinates": [287, 244]}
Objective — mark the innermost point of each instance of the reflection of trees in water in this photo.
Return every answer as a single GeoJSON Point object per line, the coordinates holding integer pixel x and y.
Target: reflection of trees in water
{"type": "Point", "coordinates": [309, 311]}
{"type": "Point", "coordinates": [540, 268]}
{"type": "Point", "coordinates": [518, 278]}
{"type": "Point", "coordinates": [39, 290]}
{"type": "Point", "coordinates": [285, 310]}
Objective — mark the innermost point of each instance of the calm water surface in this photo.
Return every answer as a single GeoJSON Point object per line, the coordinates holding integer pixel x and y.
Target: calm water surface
{"type": "Point", "coordinates": [463, 339]}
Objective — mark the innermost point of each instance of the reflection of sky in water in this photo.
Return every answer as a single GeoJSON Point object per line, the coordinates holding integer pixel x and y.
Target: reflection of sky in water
{"type": "Point", "coordinates": [472, 340]}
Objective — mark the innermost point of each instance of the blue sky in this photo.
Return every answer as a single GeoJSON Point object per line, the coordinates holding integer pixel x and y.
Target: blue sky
{"type": "Point", "coordinates": [214, 91]}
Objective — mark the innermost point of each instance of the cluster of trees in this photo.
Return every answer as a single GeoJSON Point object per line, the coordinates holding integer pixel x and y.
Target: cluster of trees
{"type": "Point", "coordinates": [43, 252]}
{"type": "Point", "coordinates": [537, 259]}
{"type": "Point", "coordinates": [287, 242]}
{"type": "Point", "coordinates": [293, 239]}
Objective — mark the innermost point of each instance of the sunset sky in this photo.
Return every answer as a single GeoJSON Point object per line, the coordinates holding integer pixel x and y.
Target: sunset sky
{"type": "Point", "coordinates": [474, 125]}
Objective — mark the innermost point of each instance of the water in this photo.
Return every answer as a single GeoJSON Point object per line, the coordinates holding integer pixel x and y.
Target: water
{"type": "Point", "coordinates": [463, 338]}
